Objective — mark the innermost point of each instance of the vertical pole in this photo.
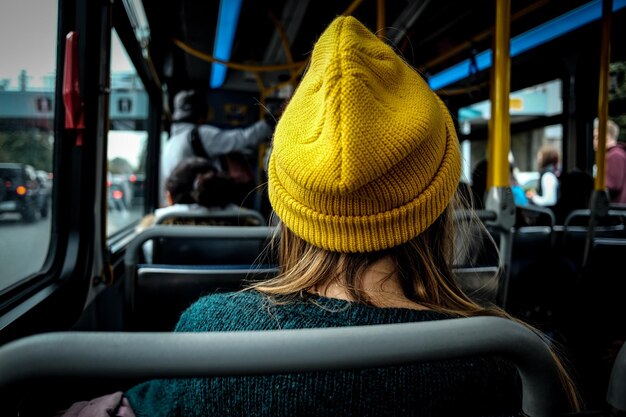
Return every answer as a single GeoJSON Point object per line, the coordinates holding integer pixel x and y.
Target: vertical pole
{"type": "Point", "coordinates": [380, 18]}
{"type": "Point", "coordinates": [499, 197]}
{"type": "Point", "coordinates": [603, 94]}
{"type": "Point", "coordinates": [499, 124]}
{"type": "Point", "coordinates": [599, 204]}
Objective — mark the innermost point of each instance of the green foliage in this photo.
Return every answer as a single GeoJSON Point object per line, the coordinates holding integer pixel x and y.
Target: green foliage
{"type": "Point", "coordinates": [120, 166]}
{"type": "Point", "coordinates": [32, 147]}
{"type": "Point", "coordinates": [617, 91]}
{"type": "Point", "coordinates": [617, 80]}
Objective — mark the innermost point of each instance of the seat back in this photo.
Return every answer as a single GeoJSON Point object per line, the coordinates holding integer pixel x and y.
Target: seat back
{"type": "Point", "coordinates": [480, 283]}
{"type": "Point", "coordinates": [600, 288]}
{"type": "Point", "coordinates": [576, 232]}
{"type": "Point", "coordinates": [109, 355]}
{"type": "Point", "coordinates": [617, 383]}
{"type": "Point", "coordinates": [243, 246]}
{"type": "Point", "coordinates": [200, 215]}
{"type": "Point", "coordinates": [213, 246]}
{"type": "Point", "coordinates": [163, 292]}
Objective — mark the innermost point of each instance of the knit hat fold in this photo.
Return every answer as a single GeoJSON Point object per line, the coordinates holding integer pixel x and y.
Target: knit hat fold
{"type": "Point", "coordinates": [365, 156]}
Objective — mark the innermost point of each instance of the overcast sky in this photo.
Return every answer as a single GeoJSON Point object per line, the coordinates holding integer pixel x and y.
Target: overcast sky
{"type": "Point", "coordinates": [28, 41]}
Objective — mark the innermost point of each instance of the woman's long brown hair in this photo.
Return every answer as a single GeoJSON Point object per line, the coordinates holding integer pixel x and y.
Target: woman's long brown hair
{"type": "Point", "coordinates": [424, 266]}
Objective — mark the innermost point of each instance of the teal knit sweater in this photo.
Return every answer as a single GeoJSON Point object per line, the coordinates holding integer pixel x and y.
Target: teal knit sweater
{"type": "Point", "coordinates": [482, 386]}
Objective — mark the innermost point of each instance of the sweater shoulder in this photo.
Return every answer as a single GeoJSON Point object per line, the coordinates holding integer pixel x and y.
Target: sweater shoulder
{"type": "Point", "coordinates": [225, 312]}
{"type": "Point", "coordinates": [250, 310]}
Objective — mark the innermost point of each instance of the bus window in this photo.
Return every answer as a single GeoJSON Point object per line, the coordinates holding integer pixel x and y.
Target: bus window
{"type": "Point", "coordinates": [127, 142]}
{"type": "Point", "coordinates": [27, 88]}
{"type": "Point", "coordinates": [526, 105]}
{"type": "Point", "coordinates": [526, 145]}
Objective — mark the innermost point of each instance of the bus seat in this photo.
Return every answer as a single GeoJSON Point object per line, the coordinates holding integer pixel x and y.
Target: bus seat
{"type": "Point", "coordinates": [532, 245]}
{"type": "Point", "coordinates": [479, 283]}
{"type": "Point", "coordinates": [600, 288]}
{"type": "Point", "coordinates": [617, 383]}
{"type": "Point", "coordinates": [575, 232]}
{"type": "Point", "coordinates": [576, 226]}
{"type": "Point", "coordinates": [533, 272]}
{"type": "Point", "coordinates": [200, 215]}
{"type": "Point", "coordinates": [213, 247]}
{"type": "Point", "coordinates": [530, 215]}
{"type": "Point", "coordinates": [162, 292]}
{"type": "Point", "coordinates": [82, 357]}
{"type": "Point", "coordinates": [201, 245]}
{"type": "Point", "coordinates": [198, 245]}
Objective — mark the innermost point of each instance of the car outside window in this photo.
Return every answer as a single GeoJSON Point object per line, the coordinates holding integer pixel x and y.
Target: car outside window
{"type": "Point", "coordinates": [27, 90]}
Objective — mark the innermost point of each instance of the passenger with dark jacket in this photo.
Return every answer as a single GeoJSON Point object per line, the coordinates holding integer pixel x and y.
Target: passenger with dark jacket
{"type": "Point", "coordinates": [575, 188]}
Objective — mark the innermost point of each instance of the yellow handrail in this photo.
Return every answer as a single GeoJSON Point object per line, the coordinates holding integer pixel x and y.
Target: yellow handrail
{"type": "Point", "coordinates": [482, 35]}
{"type": "Point", "coordinates": [603, 95]}
{"type": "Point", "coordinates": [499, 125]}
{"type": "Point", "coordinates": [380, 18]}
{"type": "Point", "coordinates": [234, 65]}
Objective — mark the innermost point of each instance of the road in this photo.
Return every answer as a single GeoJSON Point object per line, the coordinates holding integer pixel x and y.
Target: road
{"type": "Point", "coordinates": [24, 246]}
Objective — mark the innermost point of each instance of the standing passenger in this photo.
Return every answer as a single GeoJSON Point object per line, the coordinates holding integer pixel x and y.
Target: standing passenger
{"type": "Point", "coordinates": [547, 192]}
{"type": "Point", "coordinates": [615, 163]}
{"type": "Point", "coordinates": [363, 176]}
{"type": "Point", "coordinates": [190, 109]}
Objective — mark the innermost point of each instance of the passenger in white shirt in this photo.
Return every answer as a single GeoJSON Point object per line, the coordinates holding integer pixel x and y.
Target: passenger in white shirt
{"type": "Point", "coordinates": [547, 192]}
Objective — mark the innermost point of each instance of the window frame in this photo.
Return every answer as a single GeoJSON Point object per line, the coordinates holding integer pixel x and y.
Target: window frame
{"type": "Point", "coordinates": [61, 285]}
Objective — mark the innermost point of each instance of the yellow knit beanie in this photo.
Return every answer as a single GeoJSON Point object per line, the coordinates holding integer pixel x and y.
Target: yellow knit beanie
{"type": "Point", "coordinates": [365, 156]}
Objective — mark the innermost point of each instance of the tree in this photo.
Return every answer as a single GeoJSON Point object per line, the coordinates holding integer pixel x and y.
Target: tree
{"type": "Point", "coordinates": [120, 166]}
{"type": "Point", "coordinates": [32, 147]}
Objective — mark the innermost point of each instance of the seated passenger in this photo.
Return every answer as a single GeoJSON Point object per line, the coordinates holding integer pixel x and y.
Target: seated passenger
{"type": "Point", "coordinates": [575, 187]}
{"type": "Point", "coordinates": [479, 183]}
{"type": "Point", "coordinates": [547, 191]}
{"type": "Point", "coordinates": [519, 195]}
{"type": "Point", "coordinates": [196, 186]}
{"type": "Point", "coordinates": [363, 177]}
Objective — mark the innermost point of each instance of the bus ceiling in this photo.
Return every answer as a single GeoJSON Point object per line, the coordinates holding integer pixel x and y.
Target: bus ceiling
{"type": "Point", "coordinates": [268, 42]}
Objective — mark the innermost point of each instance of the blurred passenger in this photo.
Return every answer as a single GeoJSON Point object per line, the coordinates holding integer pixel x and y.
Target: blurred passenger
{"type": "Point", "coordinates": [191, 136]}
{"type": "Point", "coordinates": [575, 191]}
{"type": "Point", "coordinates": [363, 176]}
{"type": "Point", "coordinates": [479, 183]}
{"type": "Point", "coordinates": [547, 191]}
{"type": "Point", "coordinates": [195, 185]}
{"type": "Point", "coordinates": [615, 163]}
{"type": "Point", "coordinates": [519, 195]}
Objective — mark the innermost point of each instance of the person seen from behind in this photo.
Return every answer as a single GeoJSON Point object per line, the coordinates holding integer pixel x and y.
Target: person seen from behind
{"type": "Point", "coordinates": [615, 163]}
{"type": "Point", "coordinates": [479, 183]}
{"type": "Point", "coordinates": [191, 136]}
{"type": "Point", "coordinates": [196, 186]}
{"type": "Point", "coordinates": [547, 191]}
{"type": "Point", "coordinates": [575, 188]}
{"type": "Point", "coordinates": [363, 177]}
